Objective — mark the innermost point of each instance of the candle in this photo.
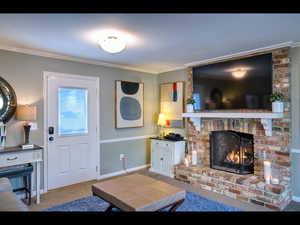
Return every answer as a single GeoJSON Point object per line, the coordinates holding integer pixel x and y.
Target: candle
{"type": "Point", "coordinates": [267, 171]}
{"type": "Point", "coordinates": [186, 161]}
{"type": "Point", "coordinates": [194, 157]}
{"type": "Point", "coordinates": [275, 180]}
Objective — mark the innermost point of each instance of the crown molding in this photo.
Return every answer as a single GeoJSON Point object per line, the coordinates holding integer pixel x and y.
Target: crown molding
{"type": "Point", "coordinates": [69, 58]}
{"type": "Point", "coordinates": [173, 69]}
{"type": "Point", "coordinates": [113, 65]}
{"type": "Point", "coordinates": [238, 54]}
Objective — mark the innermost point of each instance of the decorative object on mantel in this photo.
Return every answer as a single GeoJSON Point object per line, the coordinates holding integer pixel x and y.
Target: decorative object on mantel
{"type": "Point", "coordinates": [26, 113]}
{"type": "Point", "coordinates": [267, 171]}
{"type": "Point", "coordinates": [161, 123]}
{"type": "Point", "coordinates": [2, 135]}
{"type": "Point", "coordinates": [190, 105]}
{"type": "Point", "coordinates": [277, 99]}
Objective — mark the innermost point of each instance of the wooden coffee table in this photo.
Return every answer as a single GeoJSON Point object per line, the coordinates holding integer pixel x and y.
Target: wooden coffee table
{"type": "Point", "coordinates": [139, 193]}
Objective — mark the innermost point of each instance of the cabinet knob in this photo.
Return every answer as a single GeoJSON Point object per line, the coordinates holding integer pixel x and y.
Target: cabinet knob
{"type": "Point", "coordinates": [161, 158]}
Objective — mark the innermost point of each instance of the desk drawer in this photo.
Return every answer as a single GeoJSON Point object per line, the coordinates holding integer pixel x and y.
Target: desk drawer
{"type": "Point", "coordinates": [11, 159]}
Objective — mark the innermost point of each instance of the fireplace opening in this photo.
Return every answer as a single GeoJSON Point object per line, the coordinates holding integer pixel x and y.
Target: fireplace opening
{"type": "Point", "coordinates": [232, 151]}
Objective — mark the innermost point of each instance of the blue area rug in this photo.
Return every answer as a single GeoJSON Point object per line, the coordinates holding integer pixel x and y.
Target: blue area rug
{"type": "Point", "coordinates": [192, 203]}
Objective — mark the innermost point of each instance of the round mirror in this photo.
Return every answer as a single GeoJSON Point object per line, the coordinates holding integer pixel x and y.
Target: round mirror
{"type": "Point", "coordinates": [8, 101]}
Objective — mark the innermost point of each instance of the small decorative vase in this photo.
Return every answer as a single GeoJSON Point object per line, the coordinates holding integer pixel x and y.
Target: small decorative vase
{"type": "Point", "coordinates": [3, 132]}
{"type": "Point", "coordinates": [277, 107]}
{"type": "Point", "coordinates": [189, 108]}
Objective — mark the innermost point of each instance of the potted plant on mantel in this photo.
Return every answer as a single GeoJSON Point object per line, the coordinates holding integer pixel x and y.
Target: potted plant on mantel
{"type": "Point", "coordinates": [190, 105]}
{"type": "Point", "coordinates": [277, 99]}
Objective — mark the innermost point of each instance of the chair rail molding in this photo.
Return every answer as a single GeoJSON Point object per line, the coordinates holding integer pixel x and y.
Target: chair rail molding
{"type": "Point", "coordinates": [126, 138]}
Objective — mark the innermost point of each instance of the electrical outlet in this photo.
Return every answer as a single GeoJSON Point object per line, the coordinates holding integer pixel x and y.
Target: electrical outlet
{"type": "Point", "coordinates": [122, 156]}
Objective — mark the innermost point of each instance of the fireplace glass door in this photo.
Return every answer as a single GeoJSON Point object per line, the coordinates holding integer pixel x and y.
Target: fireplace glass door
{"type": "Point", "coordinates": [232, 151]}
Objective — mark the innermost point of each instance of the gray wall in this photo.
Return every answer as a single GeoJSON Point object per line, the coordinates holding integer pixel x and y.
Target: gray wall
{"type": "Point", "coordinates": [295, 85]}
{"type": "Point", "coordinates": [172, 76]}
{"type": "Point", "coordinates": [24, 73]}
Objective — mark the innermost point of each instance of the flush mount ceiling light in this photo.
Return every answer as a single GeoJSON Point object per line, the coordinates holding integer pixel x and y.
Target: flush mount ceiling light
{"type": "Point", "coordinates": [112, 44]}
{"type": "Point", "coordinates": [239, 73]}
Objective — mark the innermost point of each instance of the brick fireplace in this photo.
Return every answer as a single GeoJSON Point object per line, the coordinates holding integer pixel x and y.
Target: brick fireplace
{"type": "Point", "coordinates": [275, 148]}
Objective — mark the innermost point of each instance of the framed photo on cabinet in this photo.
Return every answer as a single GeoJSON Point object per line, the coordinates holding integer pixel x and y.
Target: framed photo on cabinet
{"type": "Point", "coordinates": [129, 104]}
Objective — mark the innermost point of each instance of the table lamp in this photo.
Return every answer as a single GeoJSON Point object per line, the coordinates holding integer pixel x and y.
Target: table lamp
{"type": "Point", "coordinates": [26, 113]}
{"type": "Point", "coordinates": [161, 122]}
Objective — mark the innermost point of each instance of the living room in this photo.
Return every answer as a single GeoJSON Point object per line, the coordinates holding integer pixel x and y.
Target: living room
{"type": "Point", "coordinates": [127, 121]}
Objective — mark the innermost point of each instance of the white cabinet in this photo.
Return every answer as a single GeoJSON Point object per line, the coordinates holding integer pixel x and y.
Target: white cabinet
{"type": "Point", "coordinates": [165, 154]}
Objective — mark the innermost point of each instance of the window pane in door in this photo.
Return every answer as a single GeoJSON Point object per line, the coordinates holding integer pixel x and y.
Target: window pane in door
{"type": "Point", "coordinates": [72, 111]}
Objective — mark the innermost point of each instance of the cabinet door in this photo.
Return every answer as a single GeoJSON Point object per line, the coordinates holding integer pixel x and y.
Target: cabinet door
{"type": "Point", "coordinates": [155, 159]}
{"type": "Point", "coordinates": [167, 164]}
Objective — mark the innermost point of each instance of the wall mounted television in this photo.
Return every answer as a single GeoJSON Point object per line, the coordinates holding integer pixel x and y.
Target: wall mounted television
{"type": "Point", "coordinates": [236, 84]}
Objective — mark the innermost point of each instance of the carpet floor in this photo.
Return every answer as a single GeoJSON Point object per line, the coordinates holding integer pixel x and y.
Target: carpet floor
{"type": "Point", "coordinates": [192, 203]}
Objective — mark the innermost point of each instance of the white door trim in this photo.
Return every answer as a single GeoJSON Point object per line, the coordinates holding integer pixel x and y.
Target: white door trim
{"type": "Point", "coordinates": [46, 75]}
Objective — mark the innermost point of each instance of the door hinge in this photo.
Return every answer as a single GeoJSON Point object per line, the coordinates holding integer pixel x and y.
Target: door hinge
{"type": "Point", "coordinates": [96, 168]}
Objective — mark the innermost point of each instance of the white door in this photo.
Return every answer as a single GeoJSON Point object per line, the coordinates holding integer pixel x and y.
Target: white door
{"type": "Point", "coordinates": [72, 116]}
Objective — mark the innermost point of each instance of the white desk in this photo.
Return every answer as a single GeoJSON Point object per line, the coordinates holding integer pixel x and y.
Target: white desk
{"type": "Point", "coordinates": [16, 155]}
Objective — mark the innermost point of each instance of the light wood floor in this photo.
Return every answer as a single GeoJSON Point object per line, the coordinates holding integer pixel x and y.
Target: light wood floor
{"type": "Point", "coordinates": [77, 191]}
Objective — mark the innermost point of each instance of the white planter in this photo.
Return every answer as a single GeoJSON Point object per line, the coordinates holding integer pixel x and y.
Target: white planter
{"type": "Point", "coordinates": [189, 108]}
{"type": "Point", "coordinates": [277, 107]}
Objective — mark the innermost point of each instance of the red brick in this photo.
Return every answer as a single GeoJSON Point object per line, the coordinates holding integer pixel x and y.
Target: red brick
{"type": "Point", "coordinates": [257, 202]}
{"type": "Point", "coordinates": [282, 153]}
{"type": "Point", "coordinates": [275, 188]}
{"type": "Point", "coordinates": [234, 191]}
{"type": "Point", "coordinates": [283, 163]}
{"type": "Point", "coordinates": [272, 207]}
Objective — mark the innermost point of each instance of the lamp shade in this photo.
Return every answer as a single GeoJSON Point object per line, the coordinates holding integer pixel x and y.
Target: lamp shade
{"type": "Point", "coordinates": [26, 113]}
{"type": "Point", "coordinates": [161, 120]}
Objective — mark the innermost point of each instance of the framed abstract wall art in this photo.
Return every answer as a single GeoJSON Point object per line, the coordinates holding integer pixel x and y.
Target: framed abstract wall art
{"type": "Point", "coordinates": [129, 104]}
{"type": "Point", "coordinates": [172, 103]}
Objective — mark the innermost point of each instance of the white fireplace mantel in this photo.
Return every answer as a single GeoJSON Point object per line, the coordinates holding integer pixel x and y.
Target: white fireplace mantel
{"type": "Point", "coordinates": [265, 117]}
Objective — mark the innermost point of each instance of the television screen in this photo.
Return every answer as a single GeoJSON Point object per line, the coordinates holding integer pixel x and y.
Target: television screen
{"type": "Point", "coordinates": [237, 84]}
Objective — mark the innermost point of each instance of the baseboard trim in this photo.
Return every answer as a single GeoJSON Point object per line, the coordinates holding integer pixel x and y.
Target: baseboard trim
{"type": "Point", "coordinates": [123, 172]}
{"type": "Point", "coordinates": [296, 199]}
{"type": "Point", "coordinates": [33, 194]}
{"type": "Point", "coordinates": [126, 139]}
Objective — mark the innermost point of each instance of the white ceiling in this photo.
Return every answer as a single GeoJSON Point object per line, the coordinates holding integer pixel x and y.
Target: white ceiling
{"type": "Point", "coordinates": [156, 42]}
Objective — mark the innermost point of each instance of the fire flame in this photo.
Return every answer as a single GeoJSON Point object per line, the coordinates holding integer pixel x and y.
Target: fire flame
{"type": "Point", "coordinates": [233, 157]}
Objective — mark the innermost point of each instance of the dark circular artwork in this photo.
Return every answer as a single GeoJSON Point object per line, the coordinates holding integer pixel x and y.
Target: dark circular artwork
{"type": "Point", "coordinates": [8, 101]}
{"type": "Point", "coordinates": [129, 88]}
{"type": "Point", "coordinates": [130, 109]}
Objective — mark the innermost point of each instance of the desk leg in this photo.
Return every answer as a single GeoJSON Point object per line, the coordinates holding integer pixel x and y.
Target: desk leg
{"type": "Point", "coordinates": [38, 181]}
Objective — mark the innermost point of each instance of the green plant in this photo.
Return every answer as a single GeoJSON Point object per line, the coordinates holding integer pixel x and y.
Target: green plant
{"type": "Point", "coordinates": [276, 96]}
{"type": "Point", "coordinates": [190, 101]}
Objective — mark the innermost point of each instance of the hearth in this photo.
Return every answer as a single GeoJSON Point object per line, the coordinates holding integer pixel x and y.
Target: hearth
{"type": "Point", "coordinates": [232, 151]}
